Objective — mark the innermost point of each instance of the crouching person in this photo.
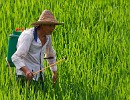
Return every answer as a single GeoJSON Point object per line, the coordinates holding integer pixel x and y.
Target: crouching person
{"type": "Point", "coordinates": [33, 44]}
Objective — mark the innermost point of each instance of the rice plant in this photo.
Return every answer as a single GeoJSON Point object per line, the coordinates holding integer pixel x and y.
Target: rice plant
{"type": "Point", "coordinates": [95, 38]}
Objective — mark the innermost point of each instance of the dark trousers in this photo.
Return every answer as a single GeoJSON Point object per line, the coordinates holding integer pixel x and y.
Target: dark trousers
{"type": "Point", "coordinates": [29, 84]}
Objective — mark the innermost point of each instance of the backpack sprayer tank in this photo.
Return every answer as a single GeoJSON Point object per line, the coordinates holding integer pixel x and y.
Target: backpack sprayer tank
{"type": "Point", "coordinates": [12, 43]}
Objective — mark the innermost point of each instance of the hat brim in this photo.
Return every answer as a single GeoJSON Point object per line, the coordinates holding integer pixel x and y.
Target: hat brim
{"type": "Point", "coordinates": [46, 23]}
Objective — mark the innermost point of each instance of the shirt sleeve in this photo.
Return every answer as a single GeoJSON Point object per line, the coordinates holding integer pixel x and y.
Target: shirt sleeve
{"type": "Point", "coordinates": [50, 52]}
{"type": "Point", "coordinates": [23, 46]}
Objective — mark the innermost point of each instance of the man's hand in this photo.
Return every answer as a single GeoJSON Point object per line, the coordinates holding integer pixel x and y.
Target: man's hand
{"type": "Point", "coordinates": [54, 77]}
{"type": "Point", "coordinates": [29, 75]}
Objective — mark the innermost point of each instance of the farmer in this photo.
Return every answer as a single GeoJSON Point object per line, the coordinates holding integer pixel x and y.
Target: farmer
{"type": "Point", "coordinates": [33, 46]}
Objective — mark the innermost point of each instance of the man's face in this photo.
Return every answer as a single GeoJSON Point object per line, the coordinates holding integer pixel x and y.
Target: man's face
{"type": "Point", "coordinates": [47, 29]}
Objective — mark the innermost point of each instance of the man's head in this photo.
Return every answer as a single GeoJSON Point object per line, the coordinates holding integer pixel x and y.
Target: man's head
{"type": "Point", "coordinates": [46, 23]}
{"type": "Point", "coordinates": [46, 29]}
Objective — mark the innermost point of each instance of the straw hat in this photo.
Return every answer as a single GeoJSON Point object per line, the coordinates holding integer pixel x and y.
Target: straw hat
{"type": "Point", "coordinates": [46, 18]}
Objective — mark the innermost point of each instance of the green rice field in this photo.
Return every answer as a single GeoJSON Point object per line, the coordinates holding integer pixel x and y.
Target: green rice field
{"type": "Point", "coordinates": [95, 39]}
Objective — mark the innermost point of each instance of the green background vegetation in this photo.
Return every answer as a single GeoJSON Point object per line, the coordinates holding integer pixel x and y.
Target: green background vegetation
{"type": "Point", "coordinates": [95, 38]}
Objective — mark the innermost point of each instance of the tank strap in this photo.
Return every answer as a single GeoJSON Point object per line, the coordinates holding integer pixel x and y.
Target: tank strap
{"type": "Point", "coordinates": [35, 34]}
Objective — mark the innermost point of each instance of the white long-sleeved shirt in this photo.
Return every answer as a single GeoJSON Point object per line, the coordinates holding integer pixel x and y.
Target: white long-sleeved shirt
{"type": "Point", "coordinates": [30, 53]}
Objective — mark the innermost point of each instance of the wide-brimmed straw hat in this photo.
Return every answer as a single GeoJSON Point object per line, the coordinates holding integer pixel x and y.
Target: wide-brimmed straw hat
{"type": "Point", "coordinates": [47, 18]}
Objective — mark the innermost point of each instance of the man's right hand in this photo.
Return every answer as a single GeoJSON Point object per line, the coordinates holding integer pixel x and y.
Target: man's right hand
{"type": "Point", "coordinates": [29, 75]}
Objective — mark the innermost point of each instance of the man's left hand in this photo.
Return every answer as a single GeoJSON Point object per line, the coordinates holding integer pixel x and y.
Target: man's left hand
{"type": "Point", "coordinates": [54, 77]}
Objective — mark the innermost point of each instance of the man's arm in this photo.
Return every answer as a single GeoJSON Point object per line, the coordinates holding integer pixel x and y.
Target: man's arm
{"type": "Point", "coordinates": [28, 73]}
{"type": "Point", "coordinates": [50, 53]}
{"type": "Point", "coordinates": [17, 58]}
